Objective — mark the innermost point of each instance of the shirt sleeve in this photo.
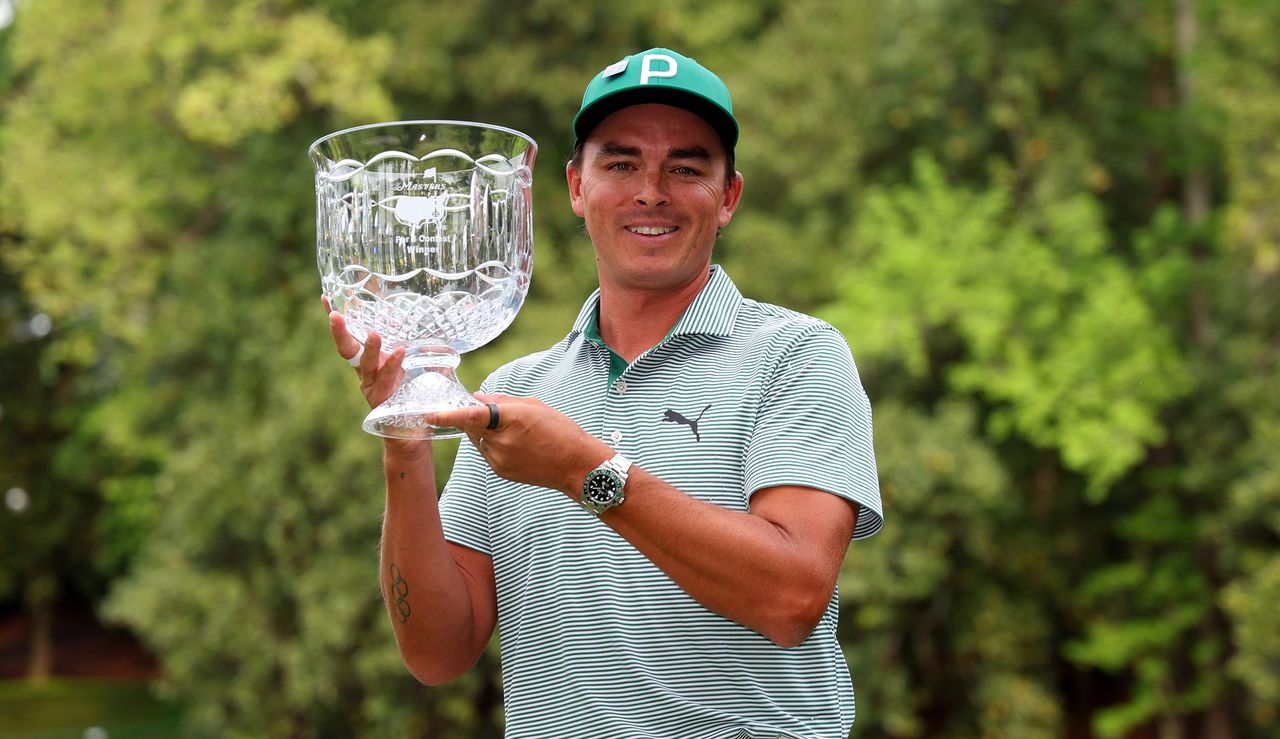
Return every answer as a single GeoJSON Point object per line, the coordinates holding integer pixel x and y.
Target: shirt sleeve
{"type": "Point", "coordinates": [814, 427]}
{"type": "Point", "coordinates": [464, 509]}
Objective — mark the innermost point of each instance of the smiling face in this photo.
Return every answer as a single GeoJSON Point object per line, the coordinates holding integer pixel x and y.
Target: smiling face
{"type": "Point", "coordinates": [651, 187]}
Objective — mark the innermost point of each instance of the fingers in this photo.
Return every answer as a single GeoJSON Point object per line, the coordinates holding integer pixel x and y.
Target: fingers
{"type": "Point", "coordinates": [346, 344]}
{"type": "Point", "coordinates": [506, 399]}
{"type": "Point", "coordinates": [473, 419]}
{"type": "Point", "coordinates": [372, 357]}
{"type": "Point", "coordinates": [479, 419]}
{"type": "Point", "coordinates": [380, 374]}
{"type": "Point", "coordinates": [367, 359]}
{"type": "Point", "coordinates": [480, 424]}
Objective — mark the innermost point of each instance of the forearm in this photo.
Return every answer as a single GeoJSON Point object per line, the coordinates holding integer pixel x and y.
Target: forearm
{"type": "Point", "coordinates": [740, 565]}
{"type": "Point", "coordinates": [425, 590]}
{"type": "Point", "coordinates": [772, 570]}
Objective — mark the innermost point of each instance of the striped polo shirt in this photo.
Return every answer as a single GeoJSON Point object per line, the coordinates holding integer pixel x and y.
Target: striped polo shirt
{"type": "Point", "coordinates": [596, 641]}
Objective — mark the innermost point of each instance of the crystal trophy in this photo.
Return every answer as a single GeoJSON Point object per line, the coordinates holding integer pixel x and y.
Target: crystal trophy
{"type": "Point", "coordinates": [424, 234]}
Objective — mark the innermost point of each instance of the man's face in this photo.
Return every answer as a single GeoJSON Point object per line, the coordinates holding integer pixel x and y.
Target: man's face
{"type": "Point", "coordinates": [651, 187]}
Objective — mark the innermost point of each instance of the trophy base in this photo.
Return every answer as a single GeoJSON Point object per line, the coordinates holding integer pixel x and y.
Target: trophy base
{"type": "Point", "coordinates": [428, 387]}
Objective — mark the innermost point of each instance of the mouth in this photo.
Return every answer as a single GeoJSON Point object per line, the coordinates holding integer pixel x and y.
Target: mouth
{"type": "Point", "coordinates": [651, 230]}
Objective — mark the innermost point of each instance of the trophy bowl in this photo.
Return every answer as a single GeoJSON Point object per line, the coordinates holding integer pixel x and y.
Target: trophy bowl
{"type": "Point", "coordinates": [424, 234]}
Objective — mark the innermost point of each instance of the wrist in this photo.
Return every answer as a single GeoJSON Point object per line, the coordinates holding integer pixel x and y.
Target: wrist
{"type": "Point", "coordinates": [402, 453]}
{"type": "Point", "coordinates": [576, 473]}
{"type": "Point", "coordinates": [604, 487]}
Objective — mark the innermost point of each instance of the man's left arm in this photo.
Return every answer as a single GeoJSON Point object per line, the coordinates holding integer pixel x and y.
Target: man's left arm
{"type": "Point", "coordinates": [772, 569]}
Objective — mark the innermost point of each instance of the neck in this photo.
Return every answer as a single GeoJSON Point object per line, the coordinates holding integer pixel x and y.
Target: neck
{"type": "Point", "coordinates": [632, 322]}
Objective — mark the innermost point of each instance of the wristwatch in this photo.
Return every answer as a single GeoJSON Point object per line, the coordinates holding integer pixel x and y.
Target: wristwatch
{"type": "Point", "coordinates": [602, 489]}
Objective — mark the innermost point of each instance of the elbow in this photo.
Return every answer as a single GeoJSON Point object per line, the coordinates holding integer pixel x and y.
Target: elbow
{"type": "Point", "coordinates": [433, 674]}
{"type": "Point", "coordinates": [433, 680]}
{"type": "Point", "coordinates": [791, 633]}
{"type": "Point", "coordinates": [795, 616]}
{"type": "Point", "coordinates": [431, 677]}
{"type": "Point", "coordinates": [435, 669]}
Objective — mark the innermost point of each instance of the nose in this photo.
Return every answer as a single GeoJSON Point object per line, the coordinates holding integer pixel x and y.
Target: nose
{"type": "Point", "coordinates": [653, 190]}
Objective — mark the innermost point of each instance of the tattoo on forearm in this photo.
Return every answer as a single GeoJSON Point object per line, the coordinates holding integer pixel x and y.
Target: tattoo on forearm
{"type": "Point", "coordinates": [403, 475]}
{"type": "Point", "coordinates": [399, 591]}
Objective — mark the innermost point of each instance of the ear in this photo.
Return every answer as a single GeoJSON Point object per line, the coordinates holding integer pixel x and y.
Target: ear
{"type": "Point", "coordinates": [574, 177]}
{"type": "Point", "coordinates": [732, 196]}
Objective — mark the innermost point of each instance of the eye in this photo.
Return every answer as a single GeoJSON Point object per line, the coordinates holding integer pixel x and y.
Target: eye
{"type": "Point", "coordinates": [687, 171]}
{"type": "Point", "coordinates": [621, 167]}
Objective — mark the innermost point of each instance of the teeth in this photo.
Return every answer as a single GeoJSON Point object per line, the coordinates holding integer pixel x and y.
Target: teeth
{"type": "Point", "coordinates": [651, 230]}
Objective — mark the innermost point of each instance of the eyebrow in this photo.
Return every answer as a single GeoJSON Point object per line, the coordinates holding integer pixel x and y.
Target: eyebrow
{"type": "Point", "coordinates": [614, 149]}
{"type": "Point", "coordinates": [611, 149]}
{"type": "Point", "coordinates": [699, 153]}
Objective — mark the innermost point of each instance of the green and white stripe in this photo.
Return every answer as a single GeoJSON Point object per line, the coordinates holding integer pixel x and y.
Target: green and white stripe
{"type": "Point", "coordinates": [596, 640]}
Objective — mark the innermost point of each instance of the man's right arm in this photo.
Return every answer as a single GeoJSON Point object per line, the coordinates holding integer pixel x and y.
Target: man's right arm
{"type": "Point", "coordinates": [440, 595]}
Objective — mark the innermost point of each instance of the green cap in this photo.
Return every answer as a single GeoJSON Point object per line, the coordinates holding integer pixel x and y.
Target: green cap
{"type": "Point", "coordinates": [658, 76]}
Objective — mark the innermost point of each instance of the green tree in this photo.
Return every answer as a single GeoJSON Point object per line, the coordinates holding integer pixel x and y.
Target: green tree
{"type": "Point", "coordinates": [1058, 253]}
{"type": "Point", "coordinates": [176, 258]}
{"type": "Point", "coordinates": [44, 558]}
{"type": "Point", "coordinates": [1046, 230]}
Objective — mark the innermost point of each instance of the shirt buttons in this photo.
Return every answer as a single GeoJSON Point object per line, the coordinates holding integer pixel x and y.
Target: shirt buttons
{"type": "Point", "coordinates": [615, 437]}
{"type": "Point", "coordinates": [620, 387]}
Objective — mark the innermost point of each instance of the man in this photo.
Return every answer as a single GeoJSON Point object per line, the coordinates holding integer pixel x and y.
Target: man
{"type": "Point", "coordinates": [654, 511]}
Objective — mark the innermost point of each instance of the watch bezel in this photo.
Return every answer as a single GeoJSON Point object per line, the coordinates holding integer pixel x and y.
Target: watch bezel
{"type": "Point", "coordinates": [591, 487]}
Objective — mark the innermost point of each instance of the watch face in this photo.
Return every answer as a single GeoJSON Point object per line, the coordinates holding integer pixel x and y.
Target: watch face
{"type": "Point", "coordinates": [602, 487]}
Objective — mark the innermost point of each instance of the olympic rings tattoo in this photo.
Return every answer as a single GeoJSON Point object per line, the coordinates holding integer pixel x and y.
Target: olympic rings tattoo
{"type": "Point", "coordinates": [400, 589]}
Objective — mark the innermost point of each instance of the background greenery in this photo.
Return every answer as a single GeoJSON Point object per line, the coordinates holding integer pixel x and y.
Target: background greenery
{"type": "Point", "coordinates": [1048, 229]}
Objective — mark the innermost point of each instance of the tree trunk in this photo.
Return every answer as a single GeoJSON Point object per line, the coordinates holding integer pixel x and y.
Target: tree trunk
{"type": "Point", "coordinates": [1196, 204]}
{"type": "Point", "coordinates": [1195, 181]}
{"type": "Point", "coordinates": [40, 658]}
{"type": "Point", "coordinates": [1171, 727]}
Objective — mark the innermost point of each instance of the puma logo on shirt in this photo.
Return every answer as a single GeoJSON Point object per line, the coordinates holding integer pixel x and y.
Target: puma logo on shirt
{"type": "Point", "coordinates": [674, 417]}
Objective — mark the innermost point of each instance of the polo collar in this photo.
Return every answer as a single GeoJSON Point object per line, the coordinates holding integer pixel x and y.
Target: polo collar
{"type": "Point", "coordinates": [713, 312]}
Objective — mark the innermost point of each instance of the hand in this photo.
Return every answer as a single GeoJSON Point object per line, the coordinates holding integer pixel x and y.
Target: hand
{"type": "Point", "coordinates": [380, 372]}
{"type": "Point", "coordinates": [533, 442]}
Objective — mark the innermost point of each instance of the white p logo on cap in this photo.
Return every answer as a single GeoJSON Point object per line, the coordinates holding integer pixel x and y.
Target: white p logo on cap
{"type": "Point", "coordinates": [647, 71]}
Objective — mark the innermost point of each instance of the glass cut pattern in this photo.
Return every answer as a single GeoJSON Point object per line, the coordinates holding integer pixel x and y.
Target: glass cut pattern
{"type": "Point", "coordinates": [424, 234]}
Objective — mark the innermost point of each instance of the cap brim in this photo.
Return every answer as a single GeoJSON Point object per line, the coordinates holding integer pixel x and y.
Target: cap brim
{"type": "Point", "coordinates": [708, 111]}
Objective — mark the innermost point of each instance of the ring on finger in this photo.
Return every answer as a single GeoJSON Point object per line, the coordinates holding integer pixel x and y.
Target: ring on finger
{"type": "Point", "coordinates": [480, 445]}
{"type": "Point", "coordinates": [493, 415]}
{"type": "Point", "coordinates": [354, 360]}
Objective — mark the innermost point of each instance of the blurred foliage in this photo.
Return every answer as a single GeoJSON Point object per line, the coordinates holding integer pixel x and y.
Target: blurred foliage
{"type": "Point", "coordinates": [1047, 230]}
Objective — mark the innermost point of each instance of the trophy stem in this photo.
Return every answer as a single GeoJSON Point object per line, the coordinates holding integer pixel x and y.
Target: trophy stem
{"type": "Point", "coordinates": [429, 385]}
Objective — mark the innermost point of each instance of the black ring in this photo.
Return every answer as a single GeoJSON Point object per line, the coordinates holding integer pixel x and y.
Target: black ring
{"type": "Point", "coordinates": [493, 415]}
